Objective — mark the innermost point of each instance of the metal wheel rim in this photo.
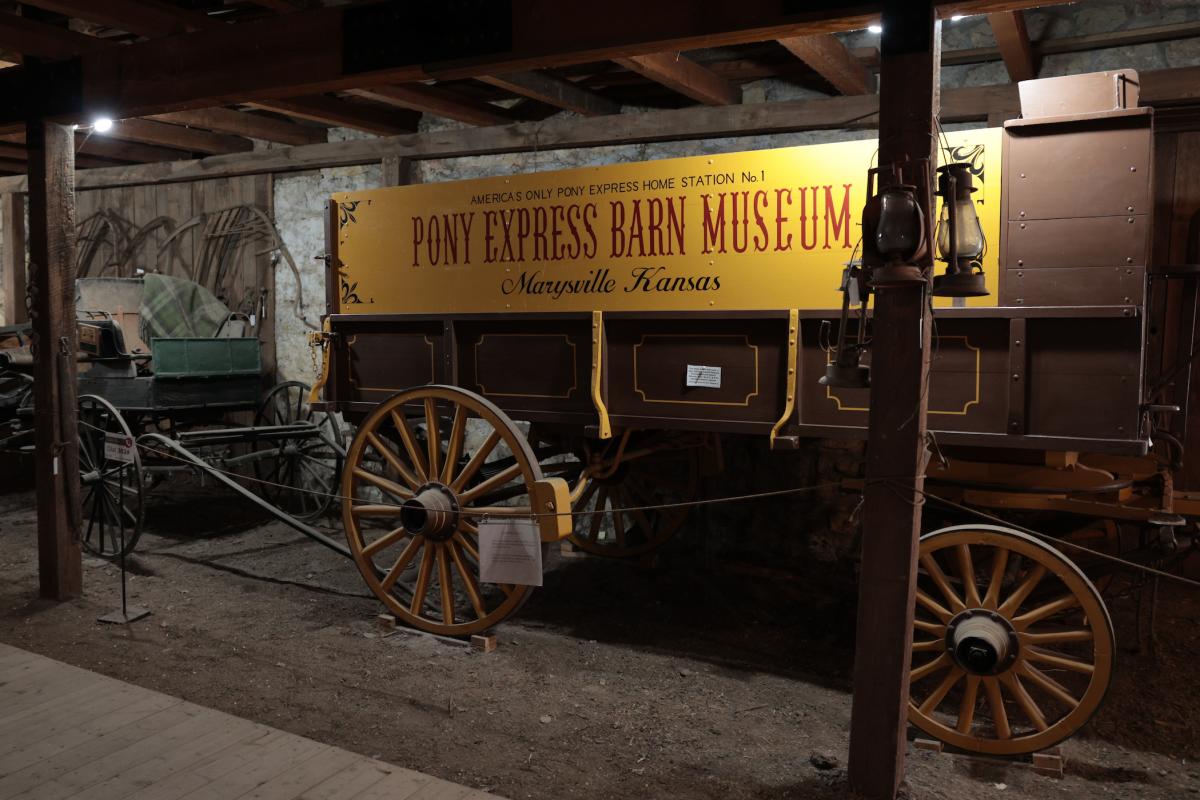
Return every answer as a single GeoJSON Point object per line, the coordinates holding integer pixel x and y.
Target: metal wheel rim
{"type": "Point", "coordinates": [97, 508]}
{"type": "Point", "coordinates": [402, 550]}
{"type": "Point", "coordinates": [283, 477]}
{"type": "Point", "coordinates": [1022, 686]}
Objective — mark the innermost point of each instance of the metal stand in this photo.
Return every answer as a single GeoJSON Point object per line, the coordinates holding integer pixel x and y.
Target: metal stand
{"type": "Point", "coordinates": [124, 615]}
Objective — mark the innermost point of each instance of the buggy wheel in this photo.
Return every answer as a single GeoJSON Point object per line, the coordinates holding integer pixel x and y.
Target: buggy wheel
{"type": "Point", "coordinates": [112, 490]}
{"type": "Point", "coordinates": [300, 474]}
{"type": "Point", "coordinates": [426, 466]}
{"type": "Point", "coordinates": [1012, 645]}
{"type": "Point", "coordinates": [665, 476]}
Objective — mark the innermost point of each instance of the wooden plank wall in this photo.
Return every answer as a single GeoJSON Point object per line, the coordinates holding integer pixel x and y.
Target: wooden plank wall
{"type": "Point", "coordinates": [242, 288]}
{"type": "Point", "coordinates": [1177, 201]}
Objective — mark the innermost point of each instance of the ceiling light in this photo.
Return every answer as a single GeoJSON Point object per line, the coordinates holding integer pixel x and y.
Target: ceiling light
{"type": "Point", "coordinates": [102, 124]}
{"type": "Point", "coordinates": [875, 28]}
{"type": "Point", "coordinates": [956, 17]}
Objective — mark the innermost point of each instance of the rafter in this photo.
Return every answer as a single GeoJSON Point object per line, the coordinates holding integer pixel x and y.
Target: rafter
{"type": "Point", "coordinates": [679, 73]}
{"type": "Point", "coordinates": [1013, 41]}
{"type": "Point", "coordinates": [143, 17]}
{"type": "Point", "coordinates": [13, 152]}
{"type": "Point", "coordinates": [331, 111]}
{"type": "Point", "coordinates": [828, 56]}
{"type": "Point", "coordinates": [31, 38]}
{"type": "Point", "coordinates": [177, 136]}
{"type": "Point", "coordinates": [105, 147]}
{"type": "Point", "coordinates": [554, 91]}
{"type": "Point", "coordinates": [241, 123]}
{"type": "Point", "coordinates": [438, 102]}
{"type": "Point", "coordinates": [338, 48]}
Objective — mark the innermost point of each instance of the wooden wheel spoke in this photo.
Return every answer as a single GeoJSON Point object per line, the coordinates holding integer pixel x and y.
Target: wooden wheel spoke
{"type": "Point", "coordinates": [393, 460]}
{"type": "Point", "coordinates": [1057, 637]}
{"type": "Point", "coordinates": [598, 515]}
{"type": "Point", "coordinates": [415, 455]}
{"type": "Point", "coordinates": [931, 646]}
{"type": "Point", "coordinates": [433, 438]}
{"type": "Point", "coordinates": [925, 670]}
{"type": "Point", "coordinates": [446, 584]}
{"type": "Point", "coordinates": [935, 698]}
{"type": "Point", "coordinates": [468, 578]}
{"type": "Point", "coordinates": [996, 581]}
{"type": "Point", "coordinates": [1022, 591]}
{"type": "Point", "coordinates": [935, 573]}
{"type": "Point", "coordinates": [930, 627]}
{"type": "Point", "coordinates": [1049, 686]}
{"type": "Point", "coordinates": [406, 557]}
{"type": "Point", "coordinates": [1057, 660]}
{"type": "Point", "coordinates": [458, 431]}
{"type": "Point", "coordinates": [489, 485]}
{"type": "Point", "coordinates": [384, 542]}
{"type": "Point", "coordinates": [380, 482]}
{"type": "Point", "coordinates": [1028, 705]}
{"type": "Point", "coordinates": [619, 526]}
{"type": "Point", "coordinates": [467, 547]}
{"type": "Point", "coordinates": [374, 510]}
{"type": "Point", "coordinates": [966, 706]}
{"type": "Point", "coordinates": [966, 572]}
{"type": "Point", "coordinates": [477, 460]}
{"type": "Point", "coordinates": [497, 511]}
{"type": "Point", "coordinates": [422, 586]}
{"type": "Point", "coordinates": [991, 687]}
{"type": "Point", "coordinates": [1062, 603]}
{"type": "Point", "coordinates": [937, 609]}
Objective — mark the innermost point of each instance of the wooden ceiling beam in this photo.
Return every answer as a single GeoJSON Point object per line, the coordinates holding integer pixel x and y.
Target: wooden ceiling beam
{"type": "Point", "coordinates": [680, 74]}
{"type": "Point", "coordinates": [145, 131]}
{"type": "Point", "coordinates": [331, 111]}
{"type": "Point", "coordinates": [14, 152]}
{"type": "Point", "coordinates": [1013, 41]}
{"type": "Point", "coordinates": [143, 17]}
{"type": "Point", "coordinates": [344, 47]}
{"type": "Point", "coordinates": [830, 58]}
{"type": "Point", "coordinates": [241, 123]}
{"type": "Point", "coordinates": [554, 91]}
{"type": "Point", "coordinates": [438, 102]}
{"type": "Point", "coordinates": [112, 149]}
{"type": "Point", "coordinates": [31, 38]}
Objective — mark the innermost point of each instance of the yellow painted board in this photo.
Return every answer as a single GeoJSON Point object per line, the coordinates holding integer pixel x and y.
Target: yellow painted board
{"type": "Point", "coordinates": [765, 229]}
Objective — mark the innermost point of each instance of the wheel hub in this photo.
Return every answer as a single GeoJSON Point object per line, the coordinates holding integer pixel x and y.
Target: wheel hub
{"type": "Point", "coordinates": [431, 512]}
{"type": "Point", "coordinates": [982, 642]}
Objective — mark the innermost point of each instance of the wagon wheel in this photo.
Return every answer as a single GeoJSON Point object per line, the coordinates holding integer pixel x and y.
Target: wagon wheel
{"type": "Point", "coordinates": [299, 475]}
{"type": "Point", "coordinates": [1012, 645]}
{"type": "Point", "coordinates": [423, 469]}
{"type": "Point", "coordinates": [668, 476]}
{"type": "Point", "coordinates": [112, 491]}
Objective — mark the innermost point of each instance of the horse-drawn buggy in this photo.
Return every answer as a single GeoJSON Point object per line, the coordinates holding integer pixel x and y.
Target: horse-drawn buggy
{"type": "Point", "coordinates": [169, 382]}
{"type": "Point", "coordinates": [564, 350]}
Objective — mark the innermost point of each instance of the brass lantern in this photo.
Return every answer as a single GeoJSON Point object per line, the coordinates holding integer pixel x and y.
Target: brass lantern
{"type": "Point", "coordinates": [960, 240]}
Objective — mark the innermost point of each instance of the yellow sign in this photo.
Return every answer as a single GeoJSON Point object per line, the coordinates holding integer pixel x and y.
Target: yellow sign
{"type": "Point", "coordinates": [766, 229]}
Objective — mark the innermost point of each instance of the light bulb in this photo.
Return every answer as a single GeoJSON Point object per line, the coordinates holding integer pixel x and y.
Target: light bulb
{"type": "Point", "coordinates": [102, 124]}
{"type": "Point", "coordinates": [875, 28]}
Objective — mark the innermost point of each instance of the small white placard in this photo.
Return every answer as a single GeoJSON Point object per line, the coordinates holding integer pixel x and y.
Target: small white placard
{"type": "Point", "coordinates": [510, 551]}
{"type": "Point", "coordinates": [118, 447]}
{"type": "Point", "coordinates": [708, 377]}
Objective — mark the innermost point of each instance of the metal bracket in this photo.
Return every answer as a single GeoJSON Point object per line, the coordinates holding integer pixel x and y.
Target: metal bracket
{"type": "Point", "coordinates": [793, 349]}
{"type": "Point", "coordinates": [598, 373]}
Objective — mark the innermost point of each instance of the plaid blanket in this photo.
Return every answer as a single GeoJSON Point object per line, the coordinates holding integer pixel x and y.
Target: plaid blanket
{"type": "Point", "coordinates": [178, 308]}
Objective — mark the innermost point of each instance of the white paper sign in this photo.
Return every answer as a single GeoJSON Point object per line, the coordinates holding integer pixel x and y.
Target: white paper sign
{"type": "Point", "coordinates": [118, 447]}
{"type": "Point", "coordinates": [709, 377]}
{"type": "Point", "coordinates": [510, 551]}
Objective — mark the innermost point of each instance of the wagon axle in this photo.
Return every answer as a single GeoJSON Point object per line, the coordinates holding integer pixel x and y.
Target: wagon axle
{"type": "Point", "coordinates": [432, 512]}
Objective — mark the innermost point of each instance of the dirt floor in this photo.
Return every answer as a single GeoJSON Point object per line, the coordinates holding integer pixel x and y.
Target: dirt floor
{"type": "Point", "coordinates": [689, 680]}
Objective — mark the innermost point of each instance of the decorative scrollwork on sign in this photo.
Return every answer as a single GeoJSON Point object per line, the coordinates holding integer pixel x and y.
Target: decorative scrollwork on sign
{"type": "Point", "coordinates": [347, 213]}
{"type": "Point", "coordinates": [350, 292]}
{"type": "Point", "coordinates": [972, 155]}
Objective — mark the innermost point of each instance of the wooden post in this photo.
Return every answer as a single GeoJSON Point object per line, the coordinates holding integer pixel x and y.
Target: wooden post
{"type": "Point", "coordinates": [12, 260]}
{"type": "Point", "coordinates": [909, 56]}
{"type": "Point", "coordinates": [397, 170]}
{"type": "Point", "coordinates": [52, 279]}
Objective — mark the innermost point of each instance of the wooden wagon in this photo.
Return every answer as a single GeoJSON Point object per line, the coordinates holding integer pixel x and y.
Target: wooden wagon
{"type": "Point", "coordinates": [566, 347]}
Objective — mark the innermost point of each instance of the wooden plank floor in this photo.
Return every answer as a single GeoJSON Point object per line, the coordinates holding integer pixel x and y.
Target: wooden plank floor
{"type": "Point", "coordinates": [69, 733]}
